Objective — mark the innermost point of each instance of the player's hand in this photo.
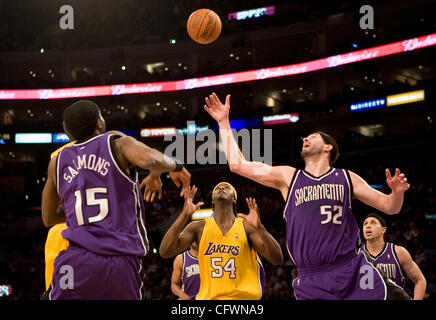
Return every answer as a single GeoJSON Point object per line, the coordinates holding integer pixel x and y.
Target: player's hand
{"type": "Point", "coordinates": [216, 109]}
{"type": "Point", "coordinates": [181, 179]}
{"type": "Point", "coordinates": [152, 185]}
{"type": "Point", "coordinates": [189, 207]}
{"type": "Point", "coordinates": [397, 183]}
{"type": "Point", "coordinates": [253, 216]}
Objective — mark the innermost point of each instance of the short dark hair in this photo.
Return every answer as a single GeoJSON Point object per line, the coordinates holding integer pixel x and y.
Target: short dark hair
{"type": "Point", "coordinates": [81, 118]}
{"type": "Point", "coordinates": [328, 139]}
{"type": "Point", "coordinates": [376, 216]}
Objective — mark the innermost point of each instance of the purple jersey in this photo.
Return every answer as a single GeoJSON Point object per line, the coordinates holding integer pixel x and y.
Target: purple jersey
{"type": "Point", "coordinates": [190, 275]}
{"type": "Point", "coordinates": [387, 261]}
{"type": "Point", "coordinates": [103, 205]}
{"type": "Point", "coordinates": [320, 227]}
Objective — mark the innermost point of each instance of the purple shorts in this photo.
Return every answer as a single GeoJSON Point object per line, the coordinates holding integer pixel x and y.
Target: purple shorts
{"type": "Point", "coordinates": [351, 278]}
{"type": "Point", "coordinates": [81, 274]}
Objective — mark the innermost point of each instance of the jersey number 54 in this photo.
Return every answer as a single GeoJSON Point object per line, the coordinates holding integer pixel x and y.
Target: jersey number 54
{"type": "Point", "coordinates": [219, 269]}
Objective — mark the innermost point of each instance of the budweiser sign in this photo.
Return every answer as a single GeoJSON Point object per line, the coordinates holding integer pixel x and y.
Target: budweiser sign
{"type": "Point", "coordinates": [413, 44]}
{"type": "Point", "coordinates": [251, 75]}
{"type": "Point", "coordinates": [135, 88]}
{"type": "Point", "coordinates": [7, 95]}
{"type": "Point", "coordinates": [280, 71]}
{"type": "Point", "coordinates": [207, 81]}
{"type": "Point", "coordinates": [65, 93]}
{"type": "Point", "coordinates": [351, 57]}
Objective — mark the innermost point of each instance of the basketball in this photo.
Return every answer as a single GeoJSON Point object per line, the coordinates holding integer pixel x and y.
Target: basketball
{"type": "Point", "coordinates": [204, 26]}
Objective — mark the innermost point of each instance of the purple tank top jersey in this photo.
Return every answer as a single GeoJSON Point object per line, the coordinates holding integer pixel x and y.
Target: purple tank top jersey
{"type": "Point", "coordinates": [387, 261]}
{"type": "Point", "coordinates": [320, 226]}
{"type": "Point", "coordinates": [103, 205]}
{"type": "Point", "coordinates": [190, 275]}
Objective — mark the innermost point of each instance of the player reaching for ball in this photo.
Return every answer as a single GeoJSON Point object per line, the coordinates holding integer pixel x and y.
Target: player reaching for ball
{"type": "Point", "coordinates": [322, 235]}
{"type": "Point", "coordinates": [230, 268]}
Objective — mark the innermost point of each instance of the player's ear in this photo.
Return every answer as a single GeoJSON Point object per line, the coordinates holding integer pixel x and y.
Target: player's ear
{"type": "Point", "coordinates": [67, 132]}
{"type": "Point", "coordinates": [328, 147]}
{"type": "Point", "coordinates": [99, 124]}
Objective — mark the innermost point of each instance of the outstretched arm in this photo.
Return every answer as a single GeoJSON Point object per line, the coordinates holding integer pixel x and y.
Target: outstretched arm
{"type": "Point", "coordinates": [387, 203]}
{"type": "Point", "coordinates": [176, 276]}
{"type": "Point", "coordinates": [278, 177]}
{"type": "Point", "coordinates": [139, 154]}
{"type": "Point", "coordinates": [51, 211]}
{"type": "Point", "coordinates": [177, 239]}
{"type": "Point", "coordinates": [263, 242]}
{"type": "Point", "coordinates": [412, 271]}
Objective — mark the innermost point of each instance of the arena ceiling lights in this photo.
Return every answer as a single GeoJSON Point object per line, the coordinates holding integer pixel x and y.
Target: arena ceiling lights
{"type": "Point", "coordinates": [224, 79]}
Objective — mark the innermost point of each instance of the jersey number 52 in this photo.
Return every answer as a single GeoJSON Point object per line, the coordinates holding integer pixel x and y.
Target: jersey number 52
{"type": "Point", "coordinates": [331, 211]}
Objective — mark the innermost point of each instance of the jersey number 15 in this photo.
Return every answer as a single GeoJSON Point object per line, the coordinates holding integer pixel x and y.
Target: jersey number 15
{"type": "Point", "coordinates": [91, 201]}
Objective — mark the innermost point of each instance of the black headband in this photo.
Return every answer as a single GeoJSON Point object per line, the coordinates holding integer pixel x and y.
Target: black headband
{"type": "Point", "coordinates": [376, 216]}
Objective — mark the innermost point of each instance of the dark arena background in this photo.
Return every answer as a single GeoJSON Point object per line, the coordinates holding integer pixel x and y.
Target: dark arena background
{"type": "Point", "coordinates": [313, 68]}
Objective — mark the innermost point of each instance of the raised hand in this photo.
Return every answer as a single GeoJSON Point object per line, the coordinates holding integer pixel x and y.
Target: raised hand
{"type": "Point", "coordinates": [216, 109]}
{"type": "Point", "coordinates": [181, 179]}
{"type": "Point", "coordinates": [189, 207]}
{"type": "Point", "coordinates": [152, 185]}
{"type": "Point", "coordinates": [398, 183]}
{"type": "Point", "coordinates": [253, 216]}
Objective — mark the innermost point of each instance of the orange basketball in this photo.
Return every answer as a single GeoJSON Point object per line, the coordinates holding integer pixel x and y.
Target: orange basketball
{"type": "Point", "coordinates": [204, 26]}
